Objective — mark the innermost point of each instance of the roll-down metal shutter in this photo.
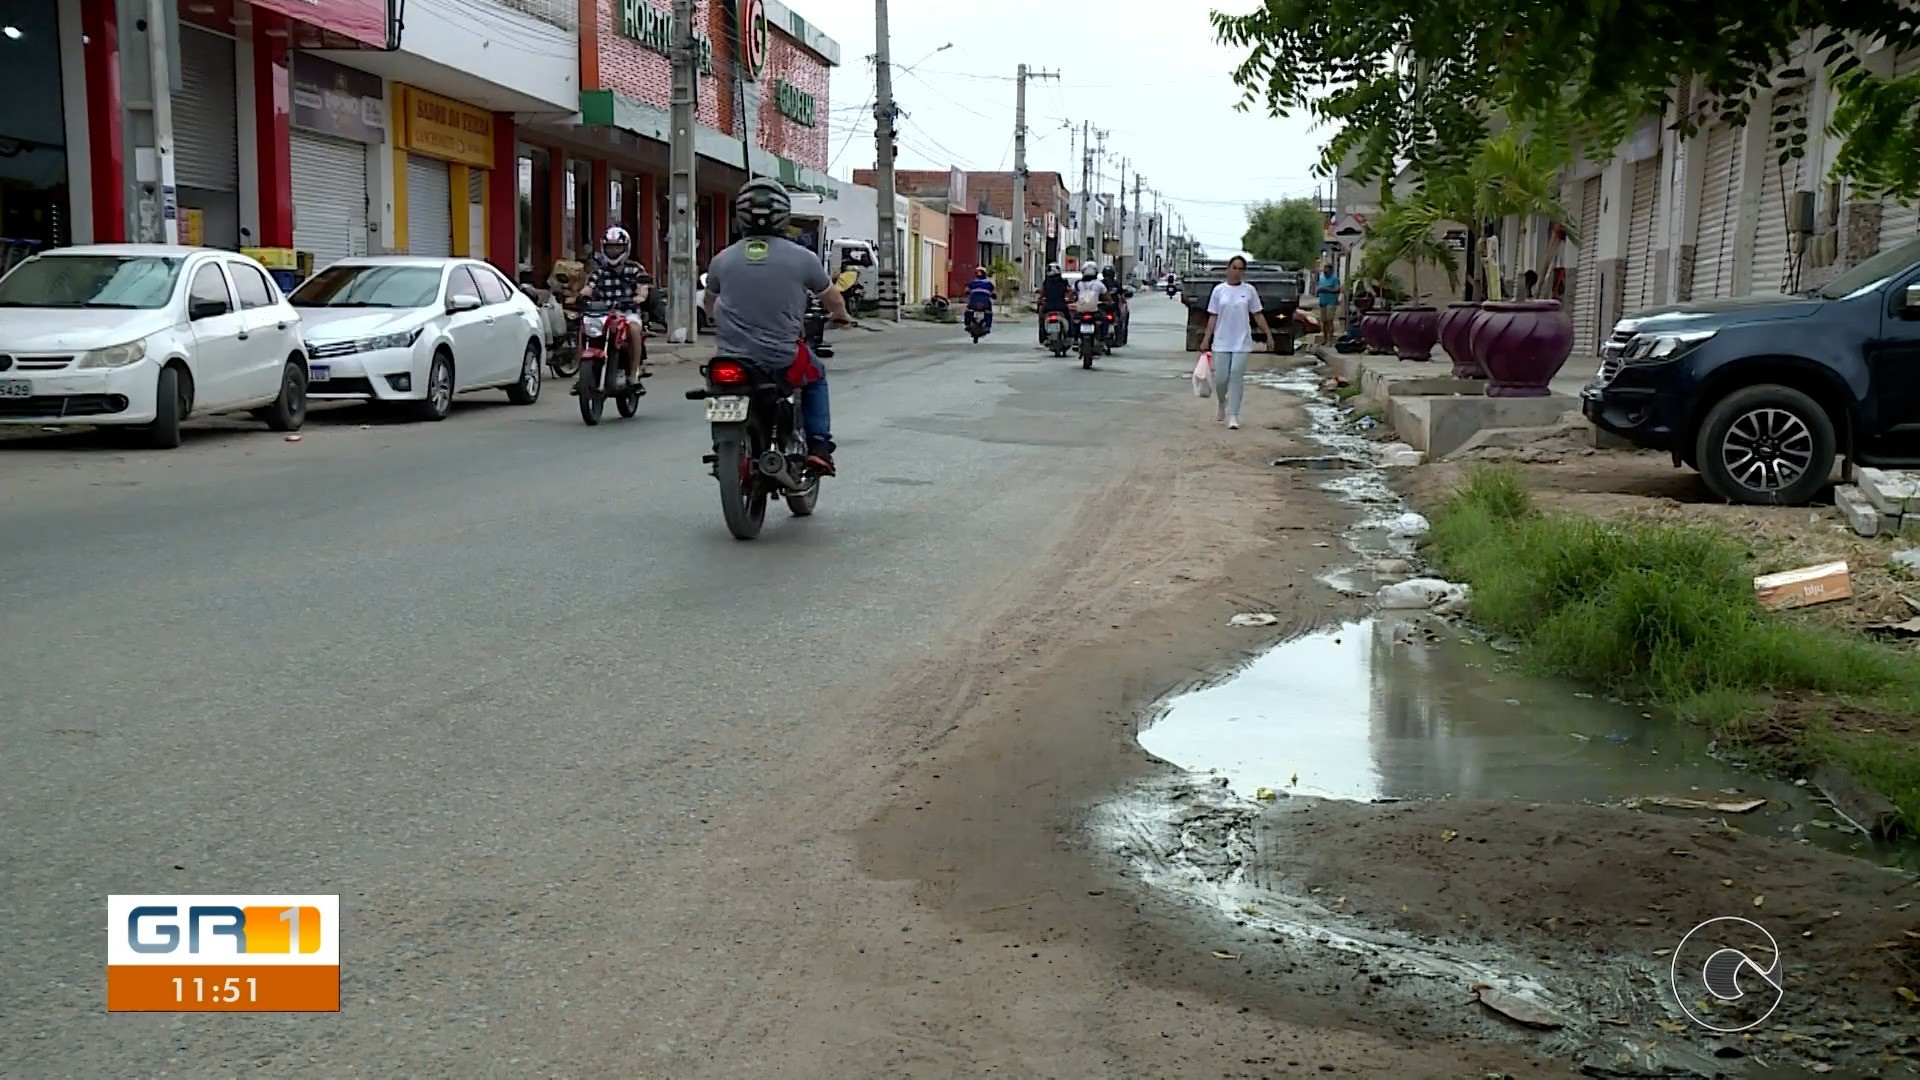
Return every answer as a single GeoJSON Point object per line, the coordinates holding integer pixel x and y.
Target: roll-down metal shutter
{"type": "Point", "coordinates": [329, 197]}
{"type": "Point", "coordinates": [206, 117]}
{"type": "Point", "coordinates": [1639, 271]}
{"type": "Point", "coordinates": [477, 213]}
{"type": "Point", "coordinates": [429, 207]}
{"type": "Point", "coordinates": [1712, 243]}
{"type": "Point", "coordinates": [1586, 290]}
{"type": "Point", "coordinates": [1778, 182]}
{"type": "Point", "coordinates": [1899, 221]}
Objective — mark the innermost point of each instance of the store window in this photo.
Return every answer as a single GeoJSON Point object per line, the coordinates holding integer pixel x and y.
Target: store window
{"type": "Point", "coordinates": [33, 135]}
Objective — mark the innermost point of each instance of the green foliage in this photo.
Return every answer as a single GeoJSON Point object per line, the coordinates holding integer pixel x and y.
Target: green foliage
{"type": "Point", "coordinates": [1404, 231]}
{"type": "Point", "coordinates": [1288, 231]}
{"type": "Point", "coordinates": [1661, 610]}
{"type": "Point", "coordinates": [1417, 82]}
{"type": "Point", "coordinates": [1005, 276]}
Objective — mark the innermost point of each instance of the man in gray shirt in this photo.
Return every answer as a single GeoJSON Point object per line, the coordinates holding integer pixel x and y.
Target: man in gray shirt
{"type": "Point", "coordinates": [757, 293]}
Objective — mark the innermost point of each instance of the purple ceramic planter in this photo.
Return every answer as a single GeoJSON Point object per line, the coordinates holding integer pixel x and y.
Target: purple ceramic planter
{"type": "Point", "coordinates": [1415, 329]}
{"type": "Point", "coordinates": [1373, 331]}
{"type": "Point", "coordinates": [1456, 336]}
{"type": "Point", "coordinates": [1522, 345]}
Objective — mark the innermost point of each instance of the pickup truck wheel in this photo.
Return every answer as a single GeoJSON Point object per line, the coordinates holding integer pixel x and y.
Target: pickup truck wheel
{"type": "Point", "coordinates": [1193, 338]}
{"type": "Point", "coordinates": [1765, 445]}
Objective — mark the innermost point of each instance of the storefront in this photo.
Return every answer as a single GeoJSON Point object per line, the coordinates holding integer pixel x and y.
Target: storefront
{"type": "Point", "coordinates": [439, 146]}
{"type": "Point", "coordinates": [339, 120]}
{"type": "Point", "coordinates": [34, 207]}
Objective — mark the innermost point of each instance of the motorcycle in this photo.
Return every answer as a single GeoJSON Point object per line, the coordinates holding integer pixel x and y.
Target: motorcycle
{"type": "Point", "coordinates": [1056, 333]}
{"type": "Point", "coordinates": [604, 332]}
{"type": "Point", "coordinates": [759, 443]}
{"type": "Point", "coordinates": [815, 327]}
{"type": "Point", "coordinates": [1087, 333]}
{"type": "Point", "coordinates": [976, 324]}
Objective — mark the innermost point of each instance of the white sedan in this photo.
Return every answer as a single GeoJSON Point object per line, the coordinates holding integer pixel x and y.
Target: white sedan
{"type": "Point", "coordinates": [418, 331]}
{"type": "Point", "coordinates": [146, 335]}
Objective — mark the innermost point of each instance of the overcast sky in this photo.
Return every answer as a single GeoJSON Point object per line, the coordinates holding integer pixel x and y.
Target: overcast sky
{"type": "Point", "coordinates": [1147, 72]}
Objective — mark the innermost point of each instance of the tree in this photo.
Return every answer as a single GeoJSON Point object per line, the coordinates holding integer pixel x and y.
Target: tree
{"type": "Point", "coordinates": [1288, 231]}
{"type": "Point", "coordinates": [1505, 174]}
{"type": "Point", "coordinates": [1414, 81]}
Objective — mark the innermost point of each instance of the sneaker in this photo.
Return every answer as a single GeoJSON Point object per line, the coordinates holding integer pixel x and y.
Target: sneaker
{"type": "Point", "coordinates": [1220, 416]}
{"type": "Point", "coordinates": [1233, 423]}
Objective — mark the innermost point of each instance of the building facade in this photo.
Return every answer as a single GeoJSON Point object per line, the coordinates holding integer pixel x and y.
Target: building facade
{"type": "Point", "coordinates": [514, 130]}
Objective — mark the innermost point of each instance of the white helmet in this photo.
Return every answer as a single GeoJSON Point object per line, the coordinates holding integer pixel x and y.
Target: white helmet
{"type": "Point", "coordinates": [615, 244]}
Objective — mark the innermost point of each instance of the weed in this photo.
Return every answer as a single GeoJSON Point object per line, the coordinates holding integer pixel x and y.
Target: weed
{"type": "Point", "coordinates": [1666, 611]}
{"type": "Point", "coordinates": [1343, 393]}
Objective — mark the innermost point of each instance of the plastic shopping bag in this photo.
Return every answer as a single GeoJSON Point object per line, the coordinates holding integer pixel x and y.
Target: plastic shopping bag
{"type": "Point", "coordinates": [1203, 376]}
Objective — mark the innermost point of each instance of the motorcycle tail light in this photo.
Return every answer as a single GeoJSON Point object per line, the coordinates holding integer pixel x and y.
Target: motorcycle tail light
{"type": "Point", "coordinates": [727, 372]}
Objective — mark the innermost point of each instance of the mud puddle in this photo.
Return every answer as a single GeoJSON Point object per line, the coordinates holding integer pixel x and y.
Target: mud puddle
{"type": "Point", "coordinates": [1389, 708]}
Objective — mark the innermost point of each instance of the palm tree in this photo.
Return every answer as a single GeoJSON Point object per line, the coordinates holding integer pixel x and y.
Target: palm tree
{"type": "Point", "coordinates": [1404, 231]}
{"type": "Point", "coordinates": [1507, 174]}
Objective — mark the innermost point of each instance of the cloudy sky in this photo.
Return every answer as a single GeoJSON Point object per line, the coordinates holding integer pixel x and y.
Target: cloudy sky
{"type": "Point", "coordinates": [1153, 79]}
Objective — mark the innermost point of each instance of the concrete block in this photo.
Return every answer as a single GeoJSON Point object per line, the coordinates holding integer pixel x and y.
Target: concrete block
{"type": "Point", "coordinates": [1891, 491]}
{"type": "Point", "coordinates": [1451, 422]}
{"type": "Point", "coordinates": [1436, 386]}
{"type": "Point", "coordinates": [1859, 511]}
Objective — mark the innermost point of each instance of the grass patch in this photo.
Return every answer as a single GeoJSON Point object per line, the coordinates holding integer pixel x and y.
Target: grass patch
{"type": "Point", "coordinates": [1342, 393]}
{"type": "Point", "coordinates": [1667, 611]}
{"type": "Point", "coordinates": [1373, 412]}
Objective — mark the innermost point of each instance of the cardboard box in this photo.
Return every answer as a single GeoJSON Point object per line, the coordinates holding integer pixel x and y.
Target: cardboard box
{"type": "Point", "coordinates": [1803, 587]}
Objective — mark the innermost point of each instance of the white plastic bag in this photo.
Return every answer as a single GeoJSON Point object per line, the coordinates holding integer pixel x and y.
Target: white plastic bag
{"type": "Point", "coordinates": [1433, 593]}
{"type": "Point", "coordinates": [1407, 525]}
{"type": "Point", "coordinates": [1203, 376]}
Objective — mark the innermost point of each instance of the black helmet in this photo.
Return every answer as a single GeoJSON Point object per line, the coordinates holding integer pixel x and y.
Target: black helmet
{"type": "Point", "coordinates": [1107, 273]}
{"type": "Point", "coordinates": [762, 207]}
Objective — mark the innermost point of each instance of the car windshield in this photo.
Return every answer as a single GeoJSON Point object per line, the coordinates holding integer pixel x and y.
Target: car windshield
{"type": "Point", "coordinates": [1871, 274]}
{"type": "Point", "coordinates": [369, 286]}
{"type": "Point", "coordinates": [91, 281]}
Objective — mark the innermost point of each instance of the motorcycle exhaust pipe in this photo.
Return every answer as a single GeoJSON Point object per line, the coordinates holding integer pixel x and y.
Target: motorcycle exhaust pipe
{"type": "Point", "coordinates": [773, 465]}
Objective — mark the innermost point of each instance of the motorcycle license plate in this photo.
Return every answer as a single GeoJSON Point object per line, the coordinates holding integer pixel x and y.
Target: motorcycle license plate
{"type": "Point", "coordinates": [726, 410]}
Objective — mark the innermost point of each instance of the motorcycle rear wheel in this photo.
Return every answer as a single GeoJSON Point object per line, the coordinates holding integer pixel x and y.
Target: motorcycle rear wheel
{"type": "Point", "coordinates": [801, 503]}
{"type": "Point", "coordinates": [628, 404]}
{"type": "Point", "coordinates": [593, 402]}
{"type": "Point", "coordinates": [743, 498]}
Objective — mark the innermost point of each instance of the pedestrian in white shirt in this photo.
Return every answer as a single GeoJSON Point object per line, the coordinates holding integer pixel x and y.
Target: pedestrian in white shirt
{"type": "Point", "coordinates": [1231, 311]}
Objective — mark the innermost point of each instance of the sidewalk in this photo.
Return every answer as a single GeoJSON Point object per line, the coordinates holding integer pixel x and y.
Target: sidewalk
{"type": "Point", "coordinates": [1440, 415]}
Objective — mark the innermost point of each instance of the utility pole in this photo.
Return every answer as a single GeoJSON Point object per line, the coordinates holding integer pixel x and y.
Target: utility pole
{"type": "Point", "coordinates": [1086, 190]}
{"type": "Point", "coordinates": [883, 115]}
{"type": "Point", "coordinates": [1139, 246]}
{"type": "Point", "coordinates": [1120, 251]}
{"type": "Point", "coordinates": [1099, 170]}
{"type": "Point", "coordinates": [1025, 248]}
{"type": "Point", "coordinates": [682, 238]}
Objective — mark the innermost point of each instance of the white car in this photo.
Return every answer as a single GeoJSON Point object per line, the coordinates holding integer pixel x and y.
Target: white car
{"type": "Point", "coordinates": [418, 331]}
{"type": "Point", "coordinates": [147, 334]}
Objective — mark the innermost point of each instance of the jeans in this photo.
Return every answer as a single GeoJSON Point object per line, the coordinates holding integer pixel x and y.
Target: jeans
{"type": "Point", "coordinates": [1230, 379]}
{"type": "Point", "coordinates": [815, 415]}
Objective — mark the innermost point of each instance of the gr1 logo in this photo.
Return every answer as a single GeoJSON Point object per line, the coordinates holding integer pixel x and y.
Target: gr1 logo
{"type": "Point", "coordinates": [223, 929]}
{"type": "Point", "coordinates": [263, 953]}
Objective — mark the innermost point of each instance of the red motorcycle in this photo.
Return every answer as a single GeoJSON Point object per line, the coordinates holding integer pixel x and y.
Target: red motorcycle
{"type": "Point", "coordinates": [604, 334]}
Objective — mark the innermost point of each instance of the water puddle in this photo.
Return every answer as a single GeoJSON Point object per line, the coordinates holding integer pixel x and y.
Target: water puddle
{"type": "Point", "coordinates": [1391, 708]}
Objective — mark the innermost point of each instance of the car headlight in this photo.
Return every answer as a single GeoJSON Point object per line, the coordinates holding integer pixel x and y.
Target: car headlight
{"type": "Point", "coordinates": [391, 341]}
{"type": "Point", "coordinates": [115, 356]}
{"type": "Point", "coordinates": [1658, 348]}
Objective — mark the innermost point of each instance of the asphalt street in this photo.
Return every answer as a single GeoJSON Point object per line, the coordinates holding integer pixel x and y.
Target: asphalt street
{"type": "Point", "coordinates": [490, 680]}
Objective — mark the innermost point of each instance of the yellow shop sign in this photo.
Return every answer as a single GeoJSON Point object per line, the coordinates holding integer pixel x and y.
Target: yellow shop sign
{"type": "Point", "coordinates": [444, 128]}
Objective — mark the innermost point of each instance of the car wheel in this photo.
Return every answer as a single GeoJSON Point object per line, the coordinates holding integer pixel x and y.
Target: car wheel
{"type": "Point", "coordinates": [169, 407]}
{"type": "Point", "coordinates": [1765, 444]}
{"type": "Point", "coordinates": [527, 390]}
{"type": "Point", "coordinates": [289, 410]}
{"type": "Point", "coordinates": [439, 399]}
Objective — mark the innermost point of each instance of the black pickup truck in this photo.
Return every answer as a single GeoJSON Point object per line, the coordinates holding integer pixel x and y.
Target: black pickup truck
{"type": "Point", "coordinates": [1762, 393]}
{"type": "Point", "coordinates": [1278, 284]}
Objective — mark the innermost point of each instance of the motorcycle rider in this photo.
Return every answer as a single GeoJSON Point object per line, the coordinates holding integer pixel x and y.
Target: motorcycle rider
{"type": "Point", "coordinates": [757, 293]}
{"type": "Point", "coordinates": [1054, 291]}
{"type": "Point", "coordinates": [1116, 299]}
{"type": "Point", "coordinates": [616, 279]}
{"type": "Point", "coordinates": [1090, 295]}
{"type": "Point", "coordinates": [981, 295]}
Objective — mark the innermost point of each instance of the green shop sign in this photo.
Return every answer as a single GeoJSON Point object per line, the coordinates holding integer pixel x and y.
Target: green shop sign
{"type": "Point", "coordinates": [795, 104]}
{"type": "Point", "coordinates": [652, 27]}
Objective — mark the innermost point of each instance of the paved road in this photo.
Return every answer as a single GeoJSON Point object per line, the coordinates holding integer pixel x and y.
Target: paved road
{"type": "Point", "coordinates": [484, 679]}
